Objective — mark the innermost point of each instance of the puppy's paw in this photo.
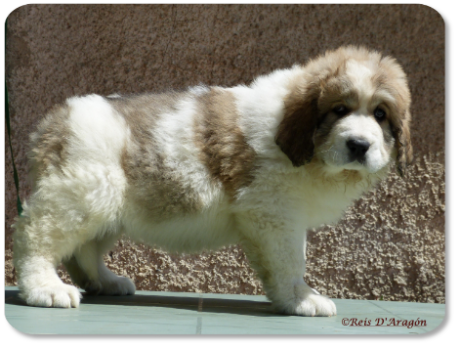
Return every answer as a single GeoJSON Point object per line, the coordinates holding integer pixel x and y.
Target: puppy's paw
{"type": "Point", "coordinates": [118, 286]}
{"type": "Point", "coordinates": [312, 305]}
{"type": "Point", "coordinates": [316, 305]}
{"type": "Point", "coordinates": [59, 296]}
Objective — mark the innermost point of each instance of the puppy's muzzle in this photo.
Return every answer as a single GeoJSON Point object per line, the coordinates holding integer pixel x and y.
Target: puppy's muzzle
{"type": "Point", "coordinates": [357, 149]}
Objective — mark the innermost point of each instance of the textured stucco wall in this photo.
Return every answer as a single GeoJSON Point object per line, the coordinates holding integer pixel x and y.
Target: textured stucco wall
{"type": "Point", "coordinates": [390, 245]}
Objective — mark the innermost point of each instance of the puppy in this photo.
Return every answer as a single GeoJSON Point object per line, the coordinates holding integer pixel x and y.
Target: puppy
{"type": "Point", "coordinates": [185, 171]}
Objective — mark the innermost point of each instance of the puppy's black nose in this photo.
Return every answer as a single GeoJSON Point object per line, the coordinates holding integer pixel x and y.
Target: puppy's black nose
{"type": "Point", "coordinates": [358, 148]}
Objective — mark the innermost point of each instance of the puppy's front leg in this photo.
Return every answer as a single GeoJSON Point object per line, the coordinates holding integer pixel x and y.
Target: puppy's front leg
{"type": "Point", "coordinates": [277, 252]}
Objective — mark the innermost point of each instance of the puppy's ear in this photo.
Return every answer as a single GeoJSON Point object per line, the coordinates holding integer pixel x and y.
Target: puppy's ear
{"type": "Point", "coordinates": [403, 143]}
{"type": "Point", "coordinates": [296, 130]}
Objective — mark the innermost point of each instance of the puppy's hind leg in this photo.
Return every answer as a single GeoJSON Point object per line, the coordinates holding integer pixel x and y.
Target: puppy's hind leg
{"type": "Point", "coordinates": [52, 228]}
{"type": "Point", "coordinates": [76, 273]}
{"type": "Point", "coordinates": [88, 270]}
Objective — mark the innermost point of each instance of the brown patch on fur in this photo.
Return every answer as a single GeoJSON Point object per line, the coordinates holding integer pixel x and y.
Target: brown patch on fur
{"type": "Point", "coordinates": [48, 143]}
{"type": "Point", "coordinates": [405, 153]}
{"type": "Point", "coordinates": [388, 138]}
{"type": "Point", "coordinates": [391, 78]}
{"type": "Point", "coordinates": [224, 149]}
{"type": "Point", "coordinates": [337, 90]}
{"type": "Point", "coordinates": [296, 130]}
{"type": "Point", "coordinates": [156, 188]}
{"type": "Point", "coordinates": [324, 128]}
{"type": "Point", "coordinates": [141, 112]}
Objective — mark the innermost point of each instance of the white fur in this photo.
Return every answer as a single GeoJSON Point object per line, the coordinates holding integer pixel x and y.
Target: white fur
{"type": "Point", "coordinates": [80, 211]}
{"type": "Point", "coordinates": [362, 126]}
{"type": "Point", "coordinates": [261, 108]}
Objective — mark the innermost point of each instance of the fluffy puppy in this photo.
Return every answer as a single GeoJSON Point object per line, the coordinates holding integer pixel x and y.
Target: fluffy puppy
{"type": "Point", "coordinates": [255, 165]}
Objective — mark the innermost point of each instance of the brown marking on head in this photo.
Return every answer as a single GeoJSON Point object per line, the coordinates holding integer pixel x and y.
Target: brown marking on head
{"type": "Point", "coordinates": [336, 90]}
{"type": "Point", "coordinates": [391, 78]}
{"type": "Point", "coordinates": [48, 144]}
{"type": "Point", "coordinates": [302, 109]}
{"type": "Point", "coordinates": [155, 188]}
{"type": "Point", "coordinates": [224, 149]}
{"type": "Point", "coordinates": [307, 119]}
{"type": "Point", "coordinates": [296, 130]}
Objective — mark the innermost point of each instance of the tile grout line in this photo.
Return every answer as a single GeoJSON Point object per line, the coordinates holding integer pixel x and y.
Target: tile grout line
{"type": "Point", "coordinates": [198, 320]}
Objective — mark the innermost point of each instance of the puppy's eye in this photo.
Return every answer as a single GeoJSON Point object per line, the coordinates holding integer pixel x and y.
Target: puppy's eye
{"type": "Point", "coordinates": [340, 110]}
{"type": "Point", "coordinates": [379, 114]}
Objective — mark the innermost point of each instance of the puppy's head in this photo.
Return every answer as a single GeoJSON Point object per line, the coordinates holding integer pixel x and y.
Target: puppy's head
{"type": "Point", "coordinates": [350, 109]}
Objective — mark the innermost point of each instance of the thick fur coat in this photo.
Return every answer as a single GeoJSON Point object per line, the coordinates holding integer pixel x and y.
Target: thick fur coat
{"type": "Point", "coordinates": [185, 171]}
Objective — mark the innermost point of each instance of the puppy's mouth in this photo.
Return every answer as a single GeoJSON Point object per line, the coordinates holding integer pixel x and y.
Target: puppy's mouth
{"type": "Point", "coordinates": [358, 161]}
{"type": "Point", "coordinates": [363, 165]}
{"type": "Point", "coordinates": [356, 164]}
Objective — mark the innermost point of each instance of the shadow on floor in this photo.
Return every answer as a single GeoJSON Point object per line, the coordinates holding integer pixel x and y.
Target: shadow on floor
{"type": "Point", "coordinates": [198, 304]}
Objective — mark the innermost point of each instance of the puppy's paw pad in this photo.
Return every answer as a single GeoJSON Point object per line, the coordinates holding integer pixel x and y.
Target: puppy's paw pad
{"type": "Point", "coordinates": [62, 296]}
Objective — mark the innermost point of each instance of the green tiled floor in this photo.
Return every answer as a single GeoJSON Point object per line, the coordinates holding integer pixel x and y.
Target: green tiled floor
{"type": "Point", "coordinates": [167, 313]}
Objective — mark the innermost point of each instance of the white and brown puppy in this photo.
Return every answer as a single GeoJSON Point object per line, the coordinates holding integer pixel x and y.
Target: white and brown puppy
{"type": "Point", "coordinates": [255, 165]}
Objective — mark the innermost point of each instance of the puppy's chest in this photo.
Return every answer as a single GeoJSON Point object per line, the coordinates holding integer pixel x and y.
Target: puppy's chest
{"type": "Point", "coordinates": [318, 209]}
{"type": "Point", "coordinates": [309, 203]}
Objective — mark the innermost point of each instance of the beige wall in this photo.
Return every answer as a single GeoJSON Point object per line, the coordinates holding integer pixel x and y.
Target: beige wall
{"type": "Point", "coordinates": [389, 245]}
